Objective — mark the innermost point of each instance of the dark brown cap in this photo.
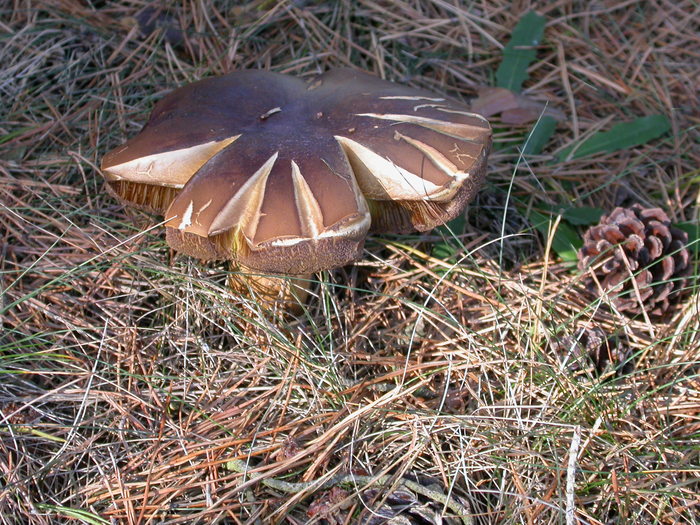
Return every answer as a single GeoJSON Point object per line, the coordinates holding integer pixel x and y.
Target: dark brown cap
{"type": "Point", "coordinates": [286, 176]}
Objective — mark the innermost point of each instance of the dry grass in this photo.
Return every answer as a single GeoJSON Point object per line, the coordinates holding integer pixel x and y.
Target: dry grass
{"type": "Point", "coordinates": [130, 376]}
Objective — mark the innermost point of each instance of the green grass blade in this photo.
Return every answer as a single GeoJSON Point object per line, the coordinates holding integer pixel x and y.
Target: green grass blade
{"type": "Point", "coordinates": [621, 136]}
{"type": "Point", "coordinates": [520, 52]}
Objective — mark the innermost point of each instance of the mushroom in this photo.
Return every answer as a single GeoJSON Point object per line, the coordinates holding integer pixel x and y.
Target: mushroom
{"type": "Point", "coordinates": [287, 177]}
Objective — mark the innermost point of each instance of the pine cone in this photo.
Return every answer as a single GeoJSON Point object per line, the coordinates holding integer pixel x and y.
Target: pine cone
{"type": "Point", "coordinates": [636, 247]}
{"type": "Point", "coordinates": [592, 346]}
{"type": "Point", "coordinates": [403, 506]}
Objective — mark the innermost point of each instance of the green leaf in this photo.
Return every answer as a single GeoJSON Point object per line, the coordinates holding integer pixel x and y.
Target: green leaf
{"type": "Point", "coordinates": [446, 249]}
{"type": "Point", "coordinates": [621, 136]}
{"type": "Point", "coordinates": [566, 241]}
{"type": "Point", "coordinates": [78, 514]}
{"type": "Point", "coordinates": [520, 52]}
{"type": "Point", "coordinates": [582, 216]}
{"type": "Point", "coordinates": [539, 135]}
{"type": "Point", "coordinates": [693, 231]}
{"type": "Point", "coordinates": [9, 136]}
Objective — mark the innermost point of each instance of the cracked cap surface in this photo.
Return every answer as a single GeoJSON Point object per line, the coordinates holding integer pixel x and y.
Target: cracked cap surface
{"type": "Point", "coordinates": [287, 176]}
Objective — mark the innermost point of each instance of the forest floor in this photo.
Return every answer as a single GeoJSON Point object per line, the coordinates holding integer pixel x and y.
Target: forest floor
{"type": "Point", "coordinates": [453, 375]}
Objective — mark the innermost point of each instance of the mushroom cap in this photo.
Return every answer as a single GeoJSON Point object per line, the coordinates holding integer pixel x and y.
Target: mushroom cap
{"type": "Point", "coordinates": [286, 176]}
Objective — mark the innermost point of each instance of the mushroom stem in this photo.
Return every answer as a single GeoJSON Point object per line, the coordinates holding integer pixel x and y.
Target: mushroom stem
{"type": "Point", "coordinates": [286, 290]}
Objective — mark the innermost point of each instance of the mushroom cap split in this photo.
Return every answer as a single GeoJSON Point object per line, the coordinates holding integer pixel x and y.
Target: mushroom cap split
{"type": "Point", "coordinates": [287, 176]}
